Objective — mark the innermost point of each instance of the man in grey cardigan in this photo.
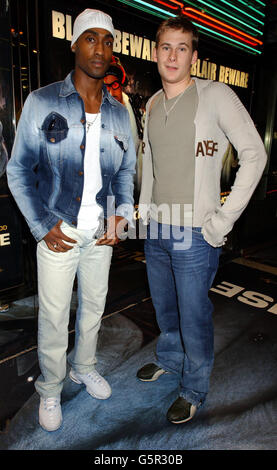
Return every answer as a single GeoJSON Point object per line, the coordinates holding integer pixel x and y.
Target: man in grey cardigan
{"type": "Point", "coordinates": [189, 125]}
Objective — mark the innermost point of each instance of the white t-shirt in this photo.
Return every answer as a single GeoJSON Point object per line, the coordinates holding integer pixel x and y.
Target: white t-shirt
{"type": "Point", "coordinates": [90, 211]}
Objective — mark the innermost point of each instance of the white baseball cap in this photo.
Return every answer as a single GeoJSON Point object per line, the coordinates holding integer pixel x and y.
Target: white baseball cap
{"type": "Point", "coordinates": [91, 19]}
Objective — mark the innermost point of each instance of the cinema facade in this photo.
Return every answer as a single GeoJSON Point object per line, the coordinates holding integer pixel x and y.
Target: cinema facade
{"type": "Point", "coordinates": [35, 50]}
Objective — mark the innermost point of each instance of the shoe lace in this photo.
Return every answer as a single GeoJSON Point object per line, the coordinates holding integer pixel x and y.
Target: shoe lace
{"type": "Point", "coordinates": [50, 403]}
{"type": "Point", "coordinates": [95, 377]}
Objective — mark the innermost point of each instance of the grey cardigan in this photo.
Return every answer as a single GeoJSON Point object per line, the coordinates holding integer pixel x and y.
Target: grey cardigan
{"type": "Point", "coordinates": [220, 118]}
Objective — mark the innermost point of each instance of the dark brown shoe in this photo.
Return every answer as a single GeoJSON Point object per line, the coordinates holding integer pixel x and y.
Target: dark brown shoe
{"type": "Point", "coordinates": [181, 411]}
{"type": "Point", "coordinates": [150, 372]}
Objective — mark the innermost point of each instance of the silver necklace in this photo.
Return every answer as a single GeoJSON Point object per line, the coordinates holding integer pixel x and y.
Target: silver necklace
{"type": "Point", "coordinates": [89, 124]}
{"type": "Point", "coordinates": [175, 102]}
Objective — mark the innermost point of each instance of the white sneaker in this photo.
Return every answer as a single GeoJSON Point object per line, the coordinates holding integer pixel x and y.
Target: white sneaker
{"type": "Point", "coordinates": [50, 413]}
{"type": "Point", "coordinates": [96, 385]}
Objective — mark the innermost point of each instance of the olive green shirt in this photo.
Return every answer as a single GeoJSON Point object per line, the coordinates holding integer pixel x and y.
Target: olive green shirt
{"type": "Point", "coordinates": [172, 142]}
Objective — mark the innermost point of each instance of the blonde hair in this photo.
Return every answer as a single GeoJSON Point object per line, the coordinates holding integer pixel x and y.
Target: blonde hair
{"type": "Point", "coordinates": [179, 22]}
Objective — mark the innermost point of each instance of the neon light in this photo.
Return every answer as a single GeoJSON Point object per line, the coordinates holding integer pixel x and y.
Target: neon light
{"type": "Point", "coordinates": [223, 24]}
{"type": "Point", "coordinates": [222, 12]}
{"type": "Point", "coordinates": [166, 5]}
{"type": "Point", "coordinates": [147, 10]}
{"type": "Point", "coordinates": [261, 3]}
{"type": "Point", "coordinates": [241, 11]}
{"type": "Point", "coordinates": [145, 6]}
{"type": "Point", "coordinates": [238, 46]}
{"type": "Point", "coordinates": [152, 6]}
{"type": "Point", "coordinates": [228, 39]}
{"type": "Point", "coordinates": [252, 8]}
{"type": "Point", "coordinates": [221, 29]}
{"type": "Point", "coordinates": [256, 41]}
{"type": "Point", "coordinates": [213, 19]}
{"type": "Point", "coordinates": [179, 4]}
{"type": "Point", "coordinates": [226, 14]}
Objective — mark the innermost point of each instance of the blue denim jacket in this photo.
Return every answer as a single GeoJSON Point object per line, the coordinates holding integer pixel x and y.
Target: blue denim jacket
{"type": "Point", "coordinates": [46, 169]}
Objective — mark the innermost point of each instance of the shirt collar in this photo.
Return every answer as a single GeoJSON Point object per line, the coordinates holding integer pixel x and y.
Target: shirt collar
{"type": "Point", "coordinates": [68, 88]}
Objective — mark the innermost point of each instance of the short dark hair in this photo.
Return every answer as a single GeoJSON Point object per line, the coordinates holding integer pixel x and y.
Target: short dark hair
{"type": "Point", "coordinates": [179, 22]}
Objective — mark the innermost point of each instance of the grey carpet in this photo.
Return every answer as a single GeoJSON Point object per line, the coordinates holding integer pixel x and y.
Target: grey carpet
{"type": "Point", "coordinates": [239, 414]}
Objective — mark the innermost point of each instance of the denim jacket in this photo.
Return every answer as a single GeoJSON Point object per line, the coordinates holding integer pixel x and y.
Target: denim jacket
{"type": "Point", "coordinates": [46, 169]}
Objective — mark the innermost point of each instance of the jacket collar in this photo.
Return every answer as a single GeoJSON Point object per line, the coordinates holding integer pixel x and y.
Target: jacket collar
{"type": "Point", "coordinates": [201, 83]}
{"type": "Point", "coordinates": [68, 88]}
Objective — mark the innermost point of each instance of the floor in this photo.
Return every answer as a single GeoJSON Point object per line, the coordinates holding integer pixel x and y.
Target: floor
{"type": "Point", "coordinates": [241, 409]}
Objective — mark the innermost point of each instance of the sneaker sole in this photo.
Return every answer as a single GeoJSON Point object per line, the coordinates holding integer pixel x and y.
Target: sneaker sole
{"type": "Point", "coordinates": [50, 430]}
{"type": "Point", "coordinates": [154, 376]}
{"type": "Point", "coordinates": [180, 422]}
{"type": "Point", "coordinates": [74, 379]}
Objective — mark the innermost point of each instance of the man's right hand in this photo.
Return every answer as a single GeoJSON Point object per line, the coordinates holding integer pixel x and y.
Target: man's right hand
{"type": "Point", "coordinates": [55, 239]}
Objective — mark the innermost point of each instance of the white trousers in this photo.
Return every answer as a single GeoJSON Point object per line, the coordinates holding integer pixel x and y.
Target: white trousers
{"type": "Point", "coordinates": [56, 274]}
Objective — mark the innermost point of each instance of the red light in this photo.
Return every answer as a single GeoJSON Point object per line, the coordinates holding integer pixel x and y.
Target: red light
{"type": "Point", "coordinates": [223, 24]}
{"type": "Point", "coordinates": [166, 4]}
{"type": "Point", "coordinates": [173, 7]}
{"type": "Point", "coordinates": [209, 21]}
{"type": "Point", "coordinates": [220, 29]}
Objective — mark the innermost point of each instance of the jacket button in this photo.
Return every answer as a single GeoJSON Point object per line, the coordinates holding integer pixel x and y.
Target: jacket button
{"type": "Point", "coordinates": [53, 139]}
{"type": "Point", "coordinates": [81, 173]}
{"type": "Point", "coordinates": [82, 146]}
{"type": "Point", "coordinates": [78, 199]}
{"type": "Point", "coordinates": [82, 121]}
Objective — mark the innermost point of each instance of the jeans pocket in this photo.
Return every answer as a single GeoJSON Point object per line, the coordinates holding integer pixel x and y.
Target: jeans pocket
{"type": "Point", "coordinates": [64, 225]}
{"type": "Point", "coordinates": [70, 232]}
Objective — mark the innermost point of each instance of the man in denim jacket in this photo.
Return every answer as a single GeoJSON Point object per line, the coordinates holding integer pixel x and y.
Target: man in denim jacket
{"type": "Point", "coordinates": [71, 168]}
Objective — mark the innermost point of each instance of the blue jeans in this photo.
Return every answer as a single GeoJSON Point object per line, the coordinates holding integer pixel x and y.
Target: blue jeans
{"type": "Point", "coordinates": [56, 274]}
{"type": "Point", "coordinates": [180, 274]}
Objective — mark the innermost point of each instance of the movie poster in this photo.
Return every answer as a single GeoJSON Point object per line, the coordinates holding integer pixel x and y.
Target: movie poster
{"type": "Point", "coordinates": [6, 89]}
{"type": "Point", "coordinates": [11, 273]}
